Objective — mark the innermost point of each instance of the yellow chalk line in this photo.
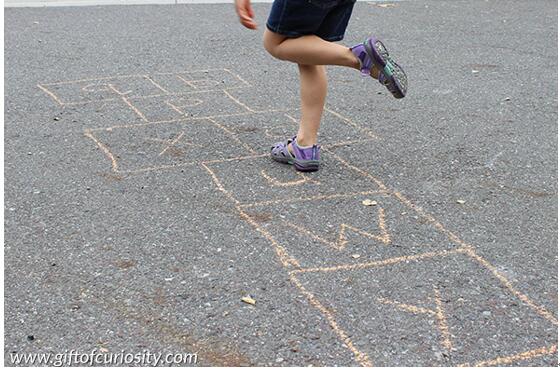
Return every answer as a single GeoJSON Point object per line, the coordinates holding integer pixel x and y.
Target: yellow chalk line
{"type": "Point", "coordinates": [542, 351]}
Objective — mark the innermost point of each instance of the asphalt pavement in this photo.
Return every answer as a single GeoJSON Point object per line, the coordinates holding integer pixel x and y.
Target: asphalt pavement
{"type": "Point", "coordinates": [143, 213]}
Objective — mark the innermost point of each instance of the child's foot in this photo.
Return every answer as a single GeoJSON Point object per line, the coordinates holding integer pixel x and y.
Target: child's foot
{"type": "Point", "coordinates": [305, 159]}
{"type": "Point", "coordinates": [373, 55]}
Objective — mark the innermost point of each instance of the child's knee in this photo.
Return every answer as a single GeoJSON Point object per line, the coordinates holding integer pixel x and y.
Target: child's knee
{"type": "Point", "coordinates": [272, 43]}
{"type": "Point", "coordinates": [268, 46]}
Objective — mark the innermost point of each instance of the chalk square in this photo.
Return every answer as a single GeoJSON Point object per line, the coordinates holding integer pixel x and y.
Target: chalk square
{"type": "Point", "coordinates": [334, 229]}
{"type": "Point", "coordinates": [198, 81]}
{"type": "Point", "coordinates": [452, 311]}
{"type": "Point", "coordinates": [256, 179]}
{"type": "Point", "coordinates": [263, 129]}
{"type": "Point", "coordinates": [165, 145]}
{"type": "Point", "coordinates": [101, 89]}
{"type": "Point", "coordinates": [187, 106]}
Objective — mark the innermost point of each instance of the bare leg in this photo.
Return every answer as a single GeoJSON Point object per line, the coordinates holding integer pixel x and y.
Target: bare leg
{"type": "Point", "coordinates": [311, 53]}
{"type": "Point", "coordinates": [313, 87]}
{"type": "Point", "coordinates": [309, 50]}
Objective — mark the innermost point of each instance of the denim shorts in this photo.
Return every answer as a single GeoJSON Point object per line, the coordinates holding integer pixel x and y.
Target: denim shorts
{"type": "Point", "coordinates": [327, 19]}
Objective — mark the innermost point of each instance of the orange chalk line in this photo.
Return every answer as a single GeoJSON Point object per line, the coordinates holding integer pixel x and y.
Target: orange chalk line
{"type": "Point", "coordinates": [442, 321]}
{"type": "Point", "coordinates": [276, 183]}
{"type": "Point", "coordinates": [439, 314]}
{"type": "Point", "coordinates": [341, 242]}
{"type": "Point", "coordinates": [233, 136]}
{"type": "Point", "coordinates": [238, 102]}
{"type": "Point", "coordinates": [128, 76]}
{"type": "Point", "coordinates": [348, 121]}
{"type": "Point", "coordinates": [312, 198]}
{"type": "Point", "coordinates": [238, 77]}
{"type": "Point", "coordinates": [285, 259]}
{"type": "Point", "coordinates": [379, 263]}
{"type": "Point", "coordinates": [156, 84]}
{"type": "Point", "coordinates": [542, 351]}
{"type": "Point", "coordinates": [385, 238]}
{"type": "Point", "coordinates": [450, 235]}
{"type": "Point", "coordinates": [537, 308]}
{"type": "Point", "coordinates": [83, 102]}
{"type": "Point", "coordinates": [186, 82]}
{"type": "Point", "coordinates": [346, 143]}
{"type": "Point", "coordinates": [105, 150]}
{"type": "Point", "coordinates": [174, 108]}
{"type": "Point", "coordinates": [51, 94]}
{"type": "Point", "coordinates": [135, 109]}
{"type": "Point", "coordinates": [358, 170]}
{"type": "Point", "coordinates": [127, 102]}
{"type": "Point", "coordinates": [175, 140]}
{"type": "Point", "coordinates": [184, 120]}
{"type": "Point", "coordinates": [238, 158]}
{"type": "Point", "coordinates": [145, 76]}
{"type": "Point", "coordinates": [161, 167]}
{"type": "Point", "coordinates": [361, 357]}
{"type": "Point", "coordinates": [112, 88]}
{"type": "Point", "coordinates": [312, 235]}
{"type": "Point", "coordinates": [406, 307]}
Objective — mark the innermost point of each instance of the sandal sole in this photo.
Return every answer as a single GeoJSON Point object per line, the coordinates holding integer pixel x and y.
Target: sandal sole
{"type": "Point", "coordinates": [398, 81]}
{"type": "Point", "coordinates": [307, 166]}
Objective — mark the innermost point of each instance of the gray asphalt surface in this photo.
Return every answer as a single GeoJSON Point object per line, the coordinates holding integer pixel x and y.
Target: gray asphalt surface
{"type": "Point", "coordinates": [126, 234]}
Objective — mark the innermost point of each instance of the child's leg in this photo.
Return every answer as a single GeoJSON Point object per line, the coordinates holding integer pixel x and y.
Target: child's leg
{"type": "Point", "coordinates": [310, 50]}
{"type": "Point", "coordinates": [313, 87]}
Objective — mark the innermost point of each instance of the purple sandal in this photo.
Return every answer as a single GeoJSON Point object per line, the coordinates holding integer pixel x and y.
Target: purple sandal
{"type": "Point", "coordinates": [373, 53]}
{"type": "Point", "coordinates": [305, 159]}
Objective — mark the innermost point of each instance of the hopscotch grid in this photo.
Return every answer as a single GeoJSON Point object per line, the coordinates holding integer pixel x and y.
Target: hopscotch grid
{"type": "Point", "coordinates": [125, 76]}
{"type": "Point", "coordinates": [186, 119]}
{"type": "Point", "coordinates": [138, 97]}
{"type": "Point", "coordinates": [43, 86]}
{"type": "Point", "coordinates": [114, 161]}
{"type": "Point", "coordinates": [293, 265]}
{"type": "Point", "coordinates": [253, 153]}
{"type": "Point", "coordinates": [156, 84]}
{"type": "Point", "coordinates": [462, 248]}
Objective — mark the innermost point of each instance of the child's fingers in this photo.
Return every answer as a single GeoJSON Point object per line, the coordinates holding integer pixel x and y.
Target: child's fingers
{"type": "Point", "coordinates": [246, 19]}
{"type": "Point", "coordinates": [246, 14]}
{"type": "Point", "coordinates": [249, 24]}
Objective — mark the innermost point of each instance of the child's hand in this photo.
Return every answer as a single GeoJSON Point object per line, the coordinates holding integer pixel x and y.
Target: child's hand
{"type": "Point", "coordinates": [245, 13]}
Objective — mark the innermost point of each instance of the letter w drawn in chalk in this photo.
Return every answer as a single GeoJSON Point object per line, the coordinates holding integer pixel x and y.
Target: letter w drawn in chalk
{"type": "Point", "coordinates": [344, 229]}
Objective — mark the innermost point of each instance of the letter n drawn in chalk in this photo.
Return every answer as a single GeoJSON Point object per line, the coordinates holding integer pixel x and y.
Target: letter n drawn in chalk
{"type": "Point", "coordinates": [438, 314]}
